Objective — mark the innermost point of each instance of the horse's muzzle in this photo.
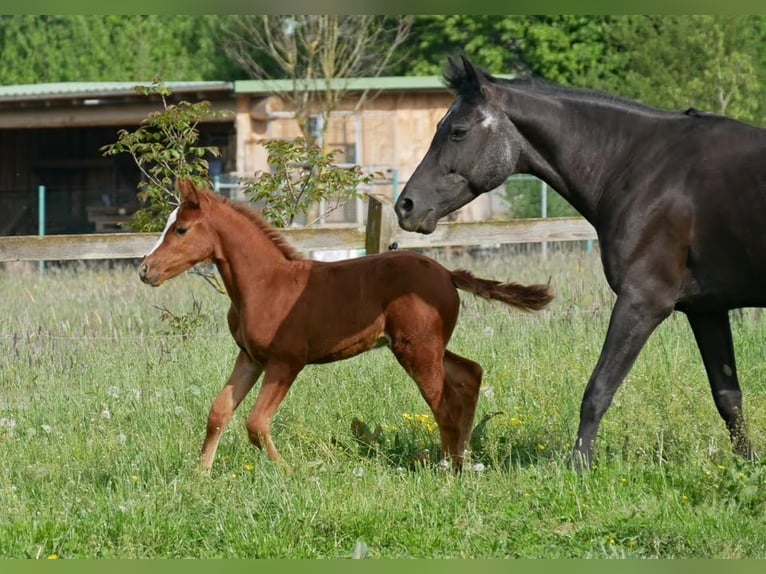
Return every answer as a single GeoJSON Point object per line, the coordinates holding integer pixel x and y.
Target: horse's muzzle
{"type": "Point", "coordinates": [146, 277]}
{"type": "Point", "coordinates": [410, 220]}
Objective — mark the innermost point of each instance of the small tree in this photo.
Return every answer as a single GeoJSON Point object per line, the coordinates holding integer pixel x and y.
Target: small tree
{"type": "Point", "coordinates": [164, 147]}
{"type": "Point", "coordinates": [301, 176]}
{"type": "Point", "coordinates": [318, 53]}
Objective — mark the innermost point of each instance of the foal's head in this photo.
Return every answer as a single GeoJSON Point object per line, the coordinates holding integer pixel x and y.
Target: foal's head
{"type": "Point", "coordinates": [187, 239]}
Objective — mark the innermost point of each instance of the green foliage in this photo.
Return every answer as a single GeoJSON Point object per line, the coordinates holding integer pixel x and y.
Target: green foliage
{"type": "Point", "coordinates": [563, 48]}
{"type": "Point", "coordinates": [185, 324]}
{"type": "Point", "coordinates": [97, 47]}
{"type": "Point", "coordinates": [301, 175]}
{"type": "Point", "coordinates": [164, 149]}
{"type": "Point", "coordinates": [524, 198]}
{"type": "Point", "coordinates": [708, 62]}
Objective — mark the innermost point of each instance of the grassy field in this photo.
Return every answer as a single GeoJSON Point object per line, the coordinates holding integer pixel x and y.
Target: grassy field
{"type": "Point", "coordinates": [103, 405]}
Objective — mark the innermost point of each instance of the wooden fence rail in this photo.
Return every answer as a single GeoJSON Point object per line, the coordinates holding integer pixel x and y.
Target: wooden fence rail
{"type": "Point", "coordinates": [379, 235]}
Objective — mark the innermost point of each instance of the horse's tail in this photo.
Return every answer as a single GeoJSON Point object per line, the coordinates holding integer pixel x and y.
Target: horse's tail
{"type": "Point", "coordinates": [525, 297]}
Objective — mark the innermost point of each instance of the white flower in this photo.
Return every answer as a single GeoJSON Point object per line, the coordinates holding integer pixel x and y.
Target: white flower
{"type": "Point", "coordinates": [47, 429]}
{"type": "Point", "coordinates": [8, 423]}
{"type": "Point", "coordinates": [105, 413]}
{"type": "Point", "coordinates": [489, 392]}
{"type": "Point", "coordinates": [113, 392]}
{"type": "Point", "coordinates": [478, 467]}
{"type": "Point", "coordinates": [121, 439]}
{"type": "Point", "coordinates": [358, 472]}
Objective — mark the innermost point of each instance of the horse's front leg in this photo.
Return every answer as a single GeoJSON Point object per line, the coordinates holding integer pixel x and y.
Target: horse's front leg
{"type": "Point", "coordinates": [631, 324]}
{"type": "Point", "coordinates": [276, 382]}
{"type": "Point", "coordinates": [246, 372]}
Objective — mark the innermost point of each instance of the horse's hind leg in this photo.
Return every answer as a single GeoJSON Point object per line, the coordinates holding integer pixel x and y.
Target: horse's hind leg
{"type": "Point", "coordinates": [276, 383]}
{"type": "Point", "coordinates": [243, 377]}
{"type": "Point", "coordinates": [713, 334]}
{"type": "Point", "coordinates": [461, 393]}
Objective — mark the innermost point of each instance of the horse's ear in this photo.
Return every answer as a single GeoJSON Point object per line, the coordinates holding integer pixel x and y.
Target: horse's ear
{"type": "Point", "coordinates": [474, 77]}
{"type": "Point", "coordinates": [188, 191]}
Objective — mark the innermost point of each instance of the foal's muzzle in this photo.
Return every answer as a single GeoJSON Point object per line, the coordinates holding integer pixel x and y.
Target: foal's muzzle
{"type": "Point", "coordinates": [145, 276]}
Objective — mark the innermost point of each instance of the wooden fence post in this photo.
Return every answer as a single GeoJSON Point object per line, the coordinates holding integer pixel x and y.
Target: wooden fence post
{"type": "Point", "coordinates": [381, 224]}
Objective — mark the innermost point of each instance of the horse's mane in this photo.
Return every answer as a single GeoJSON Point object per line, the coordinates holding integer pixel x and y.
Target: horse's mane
{"type": "Point", "coordinates": [458, 81]}
{"type": "Point", "coordinates": [272, 233]}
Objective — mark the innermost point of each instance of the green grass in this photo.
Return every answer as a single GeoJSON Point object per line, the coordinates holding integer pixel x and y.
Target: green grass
{"type": "Point", "coordinates": [103, 407]}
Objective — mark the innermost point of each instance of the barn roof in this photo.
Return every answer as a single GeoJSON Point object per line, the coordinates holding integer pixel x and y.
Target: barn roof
{"type": "Point", "coordinates": [382, 83]}
{"type": "Point", "coordinates": [49, 91]}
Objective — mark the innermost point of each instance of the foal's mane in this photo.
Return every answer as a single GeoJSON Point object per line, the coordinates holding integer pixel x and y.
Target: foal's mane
{"type": "Point", "coordinates": [257, 219]}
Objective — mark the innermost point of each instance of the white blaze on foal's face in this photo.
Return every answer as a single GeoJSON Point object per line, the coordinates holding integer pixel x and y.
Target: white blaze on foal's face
{"type": "Point", "coordinates": [171, 220]}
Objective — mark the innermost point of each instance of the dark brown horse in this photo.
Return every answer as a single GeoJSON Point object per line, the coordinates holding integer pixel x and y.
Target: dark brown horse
{"type": "Point", "coordinates": [678, 201]}
{"type": "Point", "coordinates": [287, 312]}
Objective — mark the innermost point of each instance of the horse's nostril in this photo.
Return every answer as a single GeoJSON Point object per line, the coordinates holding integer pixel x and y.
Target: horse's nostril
{"type": "Point", "coordinates": [142, 270]}
{"type": "Point", "coordinates": [406, 205]}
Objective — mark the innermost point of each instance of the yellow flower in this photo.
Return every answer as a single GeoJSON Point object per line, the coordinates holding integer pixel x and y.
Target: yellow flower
{"type": "Point", "coordinates": [53, 557]}
{"type": "Point", "coordinates": [249, 467]}
{"type": "Point", "coordinates": [541, 447]}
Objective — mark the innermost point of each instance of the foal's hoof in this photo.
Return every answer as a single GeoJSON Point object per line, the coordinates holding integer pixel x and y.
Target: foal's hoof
{"type": "Point", "coordinates": [282, 465]}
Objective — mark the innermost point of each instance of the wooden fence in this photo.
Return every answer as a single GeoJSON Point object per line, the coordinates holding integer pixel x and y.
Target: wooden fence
{"type": "Point", "coordinates": [380, 234]}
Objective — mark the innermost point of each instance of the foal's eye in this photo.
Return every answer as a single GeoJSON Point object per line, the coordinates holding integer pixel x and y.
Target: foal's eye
{"type": "Point", "coordinates": [457, 133]}
{"type": "Point", "coordinates": [181, 230]}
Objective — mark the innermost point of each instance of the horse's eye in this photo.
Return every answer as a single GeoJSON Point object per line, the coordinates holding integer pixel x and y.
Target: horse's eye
{"type": "Point", "coordinates": [181, 230]}
{"type": "Point", "coordinates": [457, 134]}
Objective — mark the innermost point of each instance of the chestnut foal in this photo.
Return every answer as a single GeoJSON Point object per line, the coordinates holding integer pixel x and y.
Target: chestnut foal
{"type": "Point", "coordinates": [287, 311]}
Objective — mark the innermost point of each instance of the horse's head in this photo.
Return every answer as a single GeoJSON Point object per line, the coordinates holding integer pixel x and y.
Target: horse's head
{"type": "Point", "coordinates": [474, 150]}
{"type": "Point", "coordinates": [186, 240]}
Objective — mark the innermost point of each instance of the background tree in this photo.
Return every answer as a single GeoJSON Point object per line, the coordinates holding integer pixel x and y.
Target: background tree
{"type": "Point", "coordinates": [164, 148]}
{"type": "Point", "coordinates": [676, 62]}
{"type": "Point", "coordinates": [111, 48]}
{"type": "Point", "coordinates": [310, 50]}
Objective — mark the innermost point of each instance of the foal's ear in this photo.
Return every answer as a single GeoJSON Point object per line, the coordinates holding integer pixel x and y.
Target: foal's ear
{"type": "Point", "coordinates": [189, 192]}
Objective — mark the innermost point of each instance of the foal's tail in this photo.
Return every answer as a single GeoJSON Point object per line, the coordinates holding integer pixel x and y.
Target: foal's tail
{"type": "Point", "coordinates": [524, 297]}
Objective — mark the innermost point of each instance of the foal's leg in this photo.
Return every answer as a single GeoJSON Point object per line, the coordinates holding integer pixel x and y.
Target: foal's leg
{"type": "Point", "coordinates": [713, 334]}
{"type": "Point", "coordinates": [276, 383]}
{"type": "Point", "coordinates": [630, 325]}
{"type": "Point", "coordinates": [426, 365]}
{"type": "Point", "coordinates": [461, 393]}
{"type": "Point", "coordinates": [243, 377]}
